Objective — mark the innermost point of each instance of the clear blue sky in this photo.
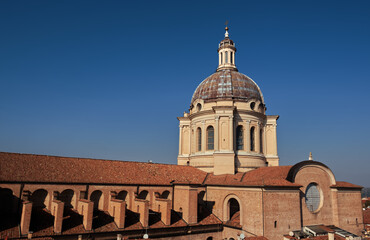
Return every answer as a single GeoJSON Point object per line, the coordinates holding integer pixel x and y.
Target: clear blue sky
{"type": "Point", "coordinates": [107, 79]}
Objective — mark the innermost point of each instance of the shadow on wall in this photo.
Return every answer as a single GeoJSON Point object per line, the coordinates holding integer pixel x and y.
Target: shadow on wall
{"type": "Point", "coordinates": [204, 207]}
{"type": "Point", "coordinates": [41, 218]}
{"type": "Point", "coordinates": [9, 213]}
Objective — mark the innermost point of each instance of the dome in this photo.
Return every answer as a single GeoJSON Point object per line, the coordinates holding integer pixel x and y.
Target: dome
{"type": "Point", "coordinates": [227, 84]}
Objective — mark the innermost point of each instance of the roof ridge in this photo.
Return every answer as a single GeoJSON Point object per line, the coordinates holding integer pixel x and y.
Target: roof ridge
{"type": "Point", "coordinates": [94, 159]}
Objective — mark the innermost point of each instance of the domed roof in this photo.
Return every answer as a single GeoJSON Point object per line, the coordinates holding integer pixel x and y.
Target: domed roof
{"type": "Point", "coordinates": [227, 84]}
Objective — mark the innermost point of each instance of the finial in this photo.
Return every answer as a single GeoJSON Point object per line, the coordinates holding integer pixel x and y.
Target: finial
{"type": "Point", "coordinates": [310, 157]}
{"type": "Point", "coordinates": [226, 29]}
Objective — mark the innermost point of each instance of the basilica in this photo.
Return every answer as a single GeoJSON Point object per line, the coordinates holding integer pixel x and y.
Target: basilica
{"type": "Point", "coordinates": [227, 183]}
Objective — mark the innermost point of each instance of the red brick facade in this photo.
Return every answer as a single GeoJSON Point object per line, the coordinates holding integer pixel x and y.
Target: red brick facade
{"type": "Point", "coordinates": [56, 196]}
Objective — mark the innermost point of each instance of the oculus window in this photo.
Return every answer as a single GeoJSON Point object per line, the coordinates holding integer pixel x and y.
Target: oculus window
{"type": "Point", "coordinates": [312, 197]}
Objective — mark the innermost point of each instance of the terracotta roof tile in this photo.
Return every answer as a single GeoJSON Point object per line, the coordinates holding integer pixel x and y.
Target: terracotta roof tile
{"type": "Point", "coordinates": [234, 221]}
{"type": "Point", "coordinates": [40, 168]}
{"type": "Point", "coordinates": [341, 184]}
{"type": "Point", "coordinates": [366, 216]}
{"type": "Point", "coordinates": [265, 176]}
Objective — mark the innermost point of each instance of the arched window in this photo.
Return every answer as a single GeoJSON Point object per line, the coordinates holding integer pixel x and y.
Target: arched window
{"type": "Point", "coordinates": [221, 59]}
{"type": "Point", "coordinates": [239, 138]}
{"type": "Point", "coordinates": [252, 138]}
{"type": "Point", "coordinates": [275, 224]}
{"type": "Point", "coordinates": [261, 141]}
{"type": "Point", "coordinates": [210, 138]}
{"type": "Point", "coordinates": [231, 57]}
{"type": "Point", "coordinates": [226, 57]}
{"type": "Point", "coordinates": [199, 107]}
{"type": "Point", "coordinates": [199, 139]}
{"type": "Point", "coordinates": [234, 207]}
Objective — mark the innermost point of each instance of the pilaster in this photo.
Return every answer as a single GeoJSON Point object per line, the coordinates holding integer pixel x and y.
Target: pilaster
{"type": "Point", "coordinates": [216, 141]}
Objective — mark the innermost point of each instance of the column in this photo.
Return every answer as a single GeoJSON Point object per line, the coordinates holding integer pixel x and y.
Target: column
{"type": "Point", "coordinates": [190, 147]}
{"type": "Point", "coordinates": [26, 217]}
{"type": "Point", "coordinates": [204, 135]}
{"type": "Point", "coordinates": [195, 144]}
{"type": "Point", "coordinates": [231, 133]}
{"type": "Point", "coordinates": [264, 140]}
{"type": "Point", "coordinates": [216, 141]}
{"type": "Point", "coordinates": [247, 137]}
{"type": "Point", "coordinates": [234, 134]}
{"type": "Point", "coordinates": [180, 140]}
{"type": "Point", "coordinates": [257, 137]}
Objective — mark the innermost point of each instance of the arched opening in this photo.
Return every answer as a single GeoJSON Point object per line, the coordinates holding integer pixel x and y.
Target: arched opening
{"type": "Point", "coordinates": [209, 238]}
{"type": "Point", "coordinates": [226, 57]}
{"type": "Point", "coordinates": [275, 224]}
{"type": "Point", "coordinates": [40, 214]}
{"type": "Point", "coordinates": [252, 132]}
{"type": "Point", "coordinates": [165, 194]}
{"type": "Point", "coordinates": [239, 138]}
{"type": "Point", "coordinates": [122, 195]}
{"type": "Point", "coordinates": [231, 57]}
{"type": "Point", "coordinates": [222, 61]}
{"type": "Point", "coordinates": [39, 198]}
{"type": "Point", "coordinates": [261, 141]}
{"type": "Point", "coordinates": [233, 207]}
{"type": "Point", "coordinates": [199, 107]}
{"type": "Point", "coordinates": [8, 218]}
{"type": "Point", "coordinates": [252, 105]}
{"type": "Point", "coordinates": [199, 139]}
{"type": "Point", "coordinates": [210, 138]}
{"type": "Point", "coordinates": [143, 195]}
{"type": "Point", "coordinates": [95, 197]}
{"type": "Point", "coordinates": [67, 196]}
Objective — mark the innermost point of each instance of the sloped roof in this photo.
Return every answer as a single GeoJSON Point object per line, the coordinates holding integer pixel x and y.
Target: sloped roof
{"type": "Point", "coordinates": [15, 167]}
{"type": "Point", "coordinates": [341, 184]}
{"type": "Point", "coordinates": [265, 176]}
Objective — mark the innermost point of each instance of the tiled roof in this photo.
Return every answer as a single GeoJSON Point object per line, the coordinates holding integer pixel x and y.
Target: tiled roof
{"type": "Point", "coordinates": [366, 216]}
{"type": "Point", "coordinates": [40, 168]}
{"type": "Point", "coordinates": [15, 167]}
{"type": "Point", "coordinates": [265, 176]}
{"type": "Point", "coordinates": [227, 84]}
{"type": "Point", "coordinates": [234, 221]}
{"type": "Point", "coordinates": [341, 184]}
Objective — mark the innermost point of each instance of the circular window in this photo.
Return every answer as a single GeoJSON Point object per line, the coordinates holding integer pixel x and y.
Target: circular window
{"type": "Point", "coordinates": [253, 104]}
{"type": "Point", "coordinates": [312, 197]}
